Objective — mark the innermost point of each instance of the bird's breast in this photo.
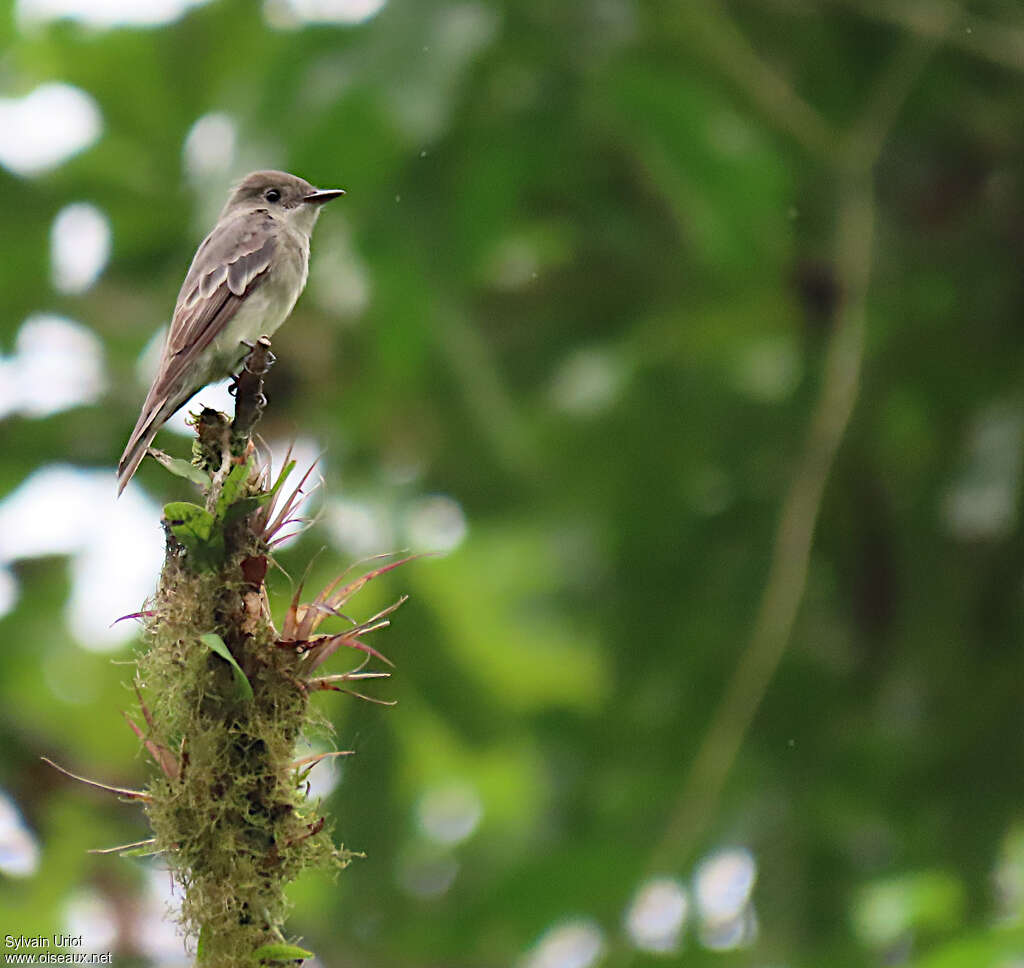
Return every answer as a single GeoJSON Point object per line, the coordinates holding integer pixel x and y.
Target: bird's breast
{"type": "Point", "coordinates": [269, 302]}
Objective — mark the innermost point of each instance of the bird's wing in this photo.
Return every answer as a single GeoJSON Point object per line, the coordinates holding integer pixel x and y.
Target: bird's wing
{"type": "Point", "coordinates": [231, 261]}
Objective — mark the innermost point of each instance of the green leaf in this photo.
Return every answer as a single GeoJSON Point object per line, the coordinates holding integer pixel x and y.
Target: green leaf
{"type": "Point", "coordinates": [893, 907]}
{"type": "Point", "coordinates": [242, 508]}
{"type": "Point", "coordinates": [232, 487]}
{"type": "Point", "coordinates": [182, 468]}
{"type": "Point", "coordinates": [216, 644]}
{"type": "Point", "coordinates": [188, 521]}
{"type": "Point", "coordinates": [281, 478]}
{"type": "Point", "coordinates": [281, 952]}
{"type": "Point", "coordinates": [996, 946]}
{"type": "Point", "coordinates": [196, 529]}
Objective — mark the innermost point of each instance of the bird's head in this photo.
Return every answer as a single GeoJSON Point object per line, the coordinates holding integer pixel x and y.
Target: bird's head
{"type": "Point", "coordinates": [283, 195]}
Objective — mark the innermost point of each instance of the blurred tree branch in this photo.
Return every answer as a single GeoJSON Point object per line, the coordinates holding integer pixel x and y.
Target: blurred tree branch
{"type": "Point", "coordinates": [784, 588]}
{"type": "Point", "coordinates": [708, 31]}
{"type": "Point", "coordinates": [996, 42]}
{"type": "Point", "coordinates": [498, 418]}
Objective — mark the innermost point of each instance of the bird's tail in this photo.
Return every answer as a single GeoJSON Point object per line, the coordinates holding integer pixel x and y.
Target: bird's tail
{"type": "Point", "coordinates": [151, 420]}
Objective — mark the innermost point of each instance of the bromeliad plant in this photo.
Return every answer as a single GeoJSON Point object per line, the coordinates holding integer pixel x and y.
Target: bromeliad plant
{"type": "Point", "coordinates": [224, 696]}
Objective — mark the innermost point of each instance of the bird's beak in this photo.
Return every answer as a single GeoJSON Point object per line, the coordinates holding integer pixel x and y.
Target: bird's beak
{"type": "Point", "coordinates": [322, 195]}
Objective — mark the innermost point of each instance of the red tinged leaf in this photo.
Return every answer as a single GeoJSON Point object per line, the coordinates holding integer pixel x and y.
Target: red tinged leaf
{"type": "Point", "coordinates": [321, 685]}
{"type": "Point", "coordinates": [335, 597]}
{"type": "Point", "coordinates": [325, 646]}
{"type": "Point", "coordinates": [132, 615]}
{"type": "Point", "coordinates": [327, 683]}
{"type": "Point", "coordinates": [351, 676]}
{"type": "Point", "coordinates": [284, 537]}
{"type": "Point", "coordinates": [164, 758]}
{"type": "Point", "coordinates": [379, 702]}
{"type": "Point", "coordinates": [117, 791]}
{"type": "Point", "coordinates": [291, 619]}
{"type": "Point", "coordinates": [326, 609]}
{"type": "Point", "coordinates": [311, 831]}
{"type": "Point", "coordinates": [315, 758]}
{"type": "Point", "coordinates": [283, 516]}
{"type": "Point", "coordinates": [137, 845]}
{"type": "Point", "coordinates": [254, 570]}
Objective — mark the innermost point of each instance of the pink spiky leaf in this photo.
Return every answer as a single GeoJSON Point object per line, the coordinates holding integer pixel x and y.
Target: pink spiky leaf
{"type": "Point", "coordinates": [124, 618]}
{"type": "Point", "coordinates": [117, 791]}
{"type": "Point", "coordinates": [315, 758]}
{"type": "Point", "coordinates": [164, 758]}
{"type": "Point", "coordinates": [327, 683]}
{"type": "Point", "coordinates": [336, 597]}
{"type": "Point", "coordinates": [327, 645]}
{"type": "Point", "coordinates": [290, 503]}
{"type": "Point", "coordinates": [373, 699]}
{"type": "Point", "coordinates": [133, 847]}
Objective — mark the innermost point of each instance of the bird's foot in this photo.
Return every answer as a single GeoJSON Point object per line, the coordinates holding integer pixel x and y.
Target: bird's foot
{"type": "Point", "coordinates": [248, 390]}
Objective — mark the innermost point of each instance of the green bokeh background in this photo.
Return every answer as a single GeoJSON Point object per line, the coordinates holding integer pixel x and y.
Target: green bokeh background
{"type": "Point", "coordinates": [604, 266]}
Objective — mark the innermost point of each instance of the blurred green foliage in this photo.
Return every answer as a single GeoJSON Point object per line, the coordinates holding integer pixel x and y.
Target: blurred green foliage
{"type": "Point", "coordinates": [583, 284]}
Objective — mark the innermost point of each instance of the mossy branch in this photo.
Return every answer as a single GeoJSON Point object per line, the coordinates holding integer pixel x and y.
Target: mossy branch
{"type": "Point", "coordinates": [227, 695]}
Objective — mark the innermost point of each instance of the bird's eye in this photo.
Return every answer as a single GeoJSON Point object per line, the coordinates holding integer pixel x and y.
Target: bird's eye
{"type": "Point", "coordinates": [272, 195]}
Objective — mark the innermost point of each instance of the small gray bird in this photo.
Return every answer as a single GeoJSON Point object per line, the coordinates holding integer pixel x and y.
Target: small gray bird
{"type": "Point", "coordinates": [242, 284]}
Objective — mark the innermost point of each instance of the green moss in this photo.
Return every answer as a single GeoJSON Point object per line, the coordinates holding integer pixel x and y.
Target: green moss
{"type": "Point", "coordinates": [233, 825]}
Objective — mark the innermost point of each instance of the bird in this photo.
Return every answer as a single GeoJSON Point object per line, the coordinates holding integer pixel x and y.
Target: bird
{"type": "Point", "coordinates": [242, 284]}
